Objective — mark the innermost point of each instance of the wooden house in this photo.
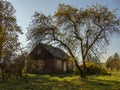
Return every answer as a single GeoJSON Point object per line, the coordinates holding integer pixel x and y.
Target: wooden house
{"type": "Point", "coordinates": [55, 60]}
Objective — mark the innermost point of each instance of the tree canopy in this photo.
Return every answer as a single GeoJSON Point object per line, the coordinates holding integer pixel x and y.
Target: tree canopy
{"type": "Point", "coordinates": [9, 30]}
{"type": "Point", "coordinates": [80, 32]}
{"type": "Point", "coordinates": [8, 25]}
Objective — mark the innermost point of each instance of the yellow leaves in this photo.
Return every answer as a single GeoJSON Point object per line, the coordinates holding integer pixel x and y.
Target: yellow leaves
{"type": "Point", "coordinates": [12, 19]}
{"type": "Point", "coordinates": [2, 30]}
{"type": "Point", "coordinates": [1, 35]}
{"type": "Point", "coordinates": [65, 10]}
{"type": "Point", "coordinates": [71, 59]}
{"type": "Point", "coordinates": [61, 13]}
{"type": "Point", "coordinates": [84, 14]}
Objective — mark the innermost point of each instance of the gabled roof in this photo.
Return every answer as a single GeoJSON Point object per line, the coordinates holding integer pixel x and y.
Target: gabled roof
{"type": "Point", "coordinates": [55, 52]}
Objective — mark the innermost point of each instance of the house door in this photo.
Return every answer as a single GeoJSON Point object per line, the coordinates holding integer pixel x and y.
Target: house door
{"type": "Point", "coordinates": [65, 67]}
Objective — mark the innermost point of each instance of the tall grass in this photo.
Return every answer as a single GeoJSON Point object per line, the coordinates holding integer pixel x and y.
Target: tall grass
{"type": "Point", "coordinates": [64, 82]}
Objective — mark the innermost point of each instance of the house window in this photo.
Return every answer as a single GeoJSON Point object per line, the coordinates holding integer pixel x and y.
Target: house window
{"type": "Point", "coordinates": [58, 64]}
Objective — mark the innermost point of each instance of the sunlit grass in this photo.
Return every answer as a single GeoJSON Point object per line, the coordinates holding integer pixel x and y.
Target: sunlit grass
{"type": "Point", "coordinates": [64, 82]}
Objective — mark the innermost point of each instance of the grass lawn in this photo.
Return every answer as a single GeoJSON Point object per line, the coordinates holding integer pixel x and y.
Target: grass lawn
{"type": "Point", "coordinates": [62, 82]}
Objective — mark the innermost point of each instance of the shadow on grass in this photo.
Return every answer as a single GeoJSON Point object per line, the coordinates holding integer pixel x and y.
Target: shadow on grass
{"type": "Point", "coordinates": [70, 83]}
{"type": "Point", "coordinates": [60, 82]}
{"type": "Point", "coordinates": [100, 84]}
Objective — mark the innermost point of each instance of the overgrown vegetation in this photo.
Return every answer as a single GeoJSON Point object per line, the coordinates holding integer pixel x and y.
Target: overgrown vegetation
{"type": "Point", "coordinates": [93, 68]}
{"type": "Point", "coordinates": [35, 66]}
{"type": "Point", "coordinates": [64, 82]}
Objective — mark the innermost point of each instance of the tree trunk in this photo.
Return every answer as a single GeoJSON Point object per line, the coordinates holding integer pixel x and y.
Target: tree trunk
{"type": "Point", "coordinates": [84, 64]}
{"type": "Point", "coordinates": [3, 75]}
{"type": "Point", "coordinates": [7, 76]}
{"type": "Point", "coordinates": [84, 68]}
{"type": "Point", "coordinates": [81, 73]}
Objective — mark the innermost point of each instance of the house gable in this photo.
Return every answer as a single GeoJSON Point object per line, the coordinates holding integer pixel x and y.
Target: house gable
{"type": "Point", "coordinates": [39, 52]}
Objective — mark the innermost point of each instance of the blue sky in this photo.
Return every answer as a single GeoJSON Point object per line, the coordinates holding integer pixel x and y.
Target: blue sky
{"type": "Point", "coordinates": [26, 8]}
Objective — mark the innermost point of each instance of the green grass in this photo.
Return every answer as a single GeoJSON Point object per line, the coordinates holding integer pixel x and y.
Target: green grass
{"type": "Point", "coordinates": [64, 82]}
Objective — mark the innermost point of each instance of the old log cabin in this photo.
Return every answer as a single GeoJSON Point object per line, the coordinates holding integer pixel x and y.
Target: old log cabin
{"type": "Point", "coordinates": [55, 60]}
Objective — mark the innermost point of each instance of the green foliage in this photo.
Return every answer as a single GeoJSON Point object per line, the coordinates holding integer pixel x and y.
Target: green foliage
{"type": "Point", "coordinates": [94, 69]}
{"type": "Point", "coordinates": [13, 68]}
{"type": "Point", "coordinates": [113, 62]}
{"type": "Point", "coordinates": [35, 66]}
{"type": "Point", "coordinates": [8, 25]}
{"type": "Point", "coordinates": [47, 82]}
{"type": "Point", "coordinates": [9, 43]}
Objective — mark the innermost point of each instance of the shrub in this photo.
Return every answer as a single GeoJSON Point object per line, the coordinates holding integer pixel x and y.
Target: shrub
{"type": "Point", "coordinates": [94, 69]}
{"type": "Point", "coordinates": [35, 66]}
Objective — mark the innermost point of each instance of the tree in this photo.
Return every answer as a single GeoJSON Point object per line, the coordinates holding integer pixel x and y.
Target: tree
{"type": "Point", "coordinates": [8, 35]}
{"type": "Point", "coordinates": [92, 27]}
{"type": "Point", "coordinates": [20, 64]}
{"type": "Point", "coordinates": [79, 32]}
{"type": "Point", "coordinates": [109, 63]}
{"type": "Point", "coordinates": [7, 21]}
{"type": "Point", "coordinates": [116, 56]}
{"type": "Point", "coordinates": [113, 62]}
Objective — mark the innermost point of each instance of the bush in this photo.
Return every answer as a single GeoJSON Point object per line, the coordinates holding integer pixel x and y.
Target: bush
{"type": "Point", "coordinates": [35, 66]}
{"type": "Point", "coordinates": [94, 69]}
